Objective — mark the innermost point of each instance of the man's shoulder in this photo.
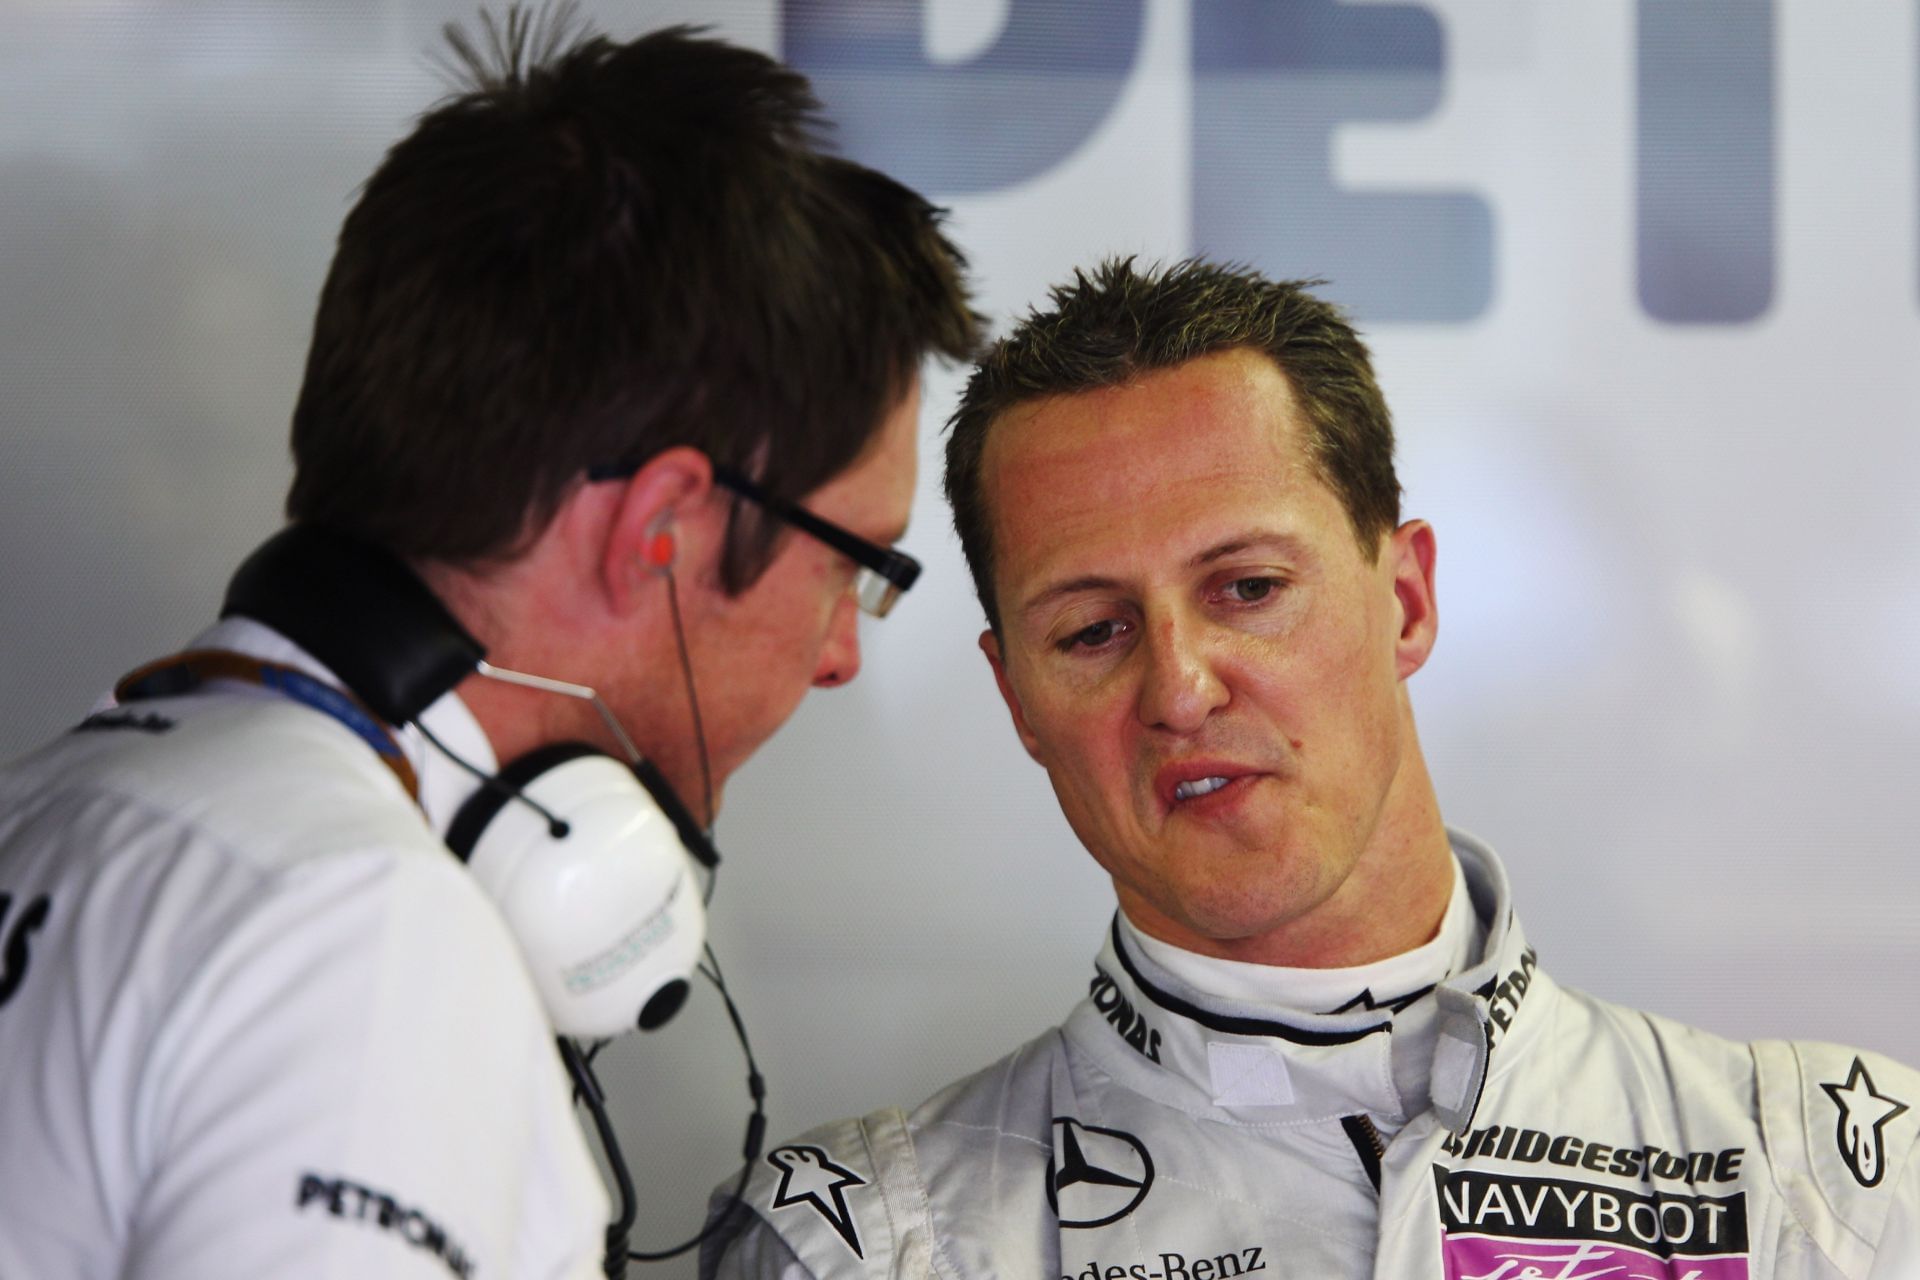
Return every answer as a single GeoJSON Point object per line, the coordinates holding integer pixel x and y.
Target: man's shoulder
{"type": "Point", "coordinates": [864, 1196]}
{"type": "Point", "coordinates": [169, 833]}
{"type": "Point", "coordinates": [1665, 1055]}
{"type": "Point", "coordinates": [271, 781]}
{"type": "Point", "coordinates": [1687, 1059]}
{"type": "Point", "coordinates": [1839, 1125]}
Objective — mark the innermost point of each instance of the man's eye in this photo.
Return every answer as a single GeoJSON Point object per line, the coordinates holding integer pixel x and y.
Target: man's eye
{"type": "Point", "coordinates": [1251, 590]}
{"type": "Point", "coordinates": [1092, 637]}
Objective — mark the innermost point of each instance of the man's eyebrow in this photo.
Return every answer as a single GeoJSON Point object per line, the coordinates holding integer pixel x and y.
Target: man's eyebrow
{"type": "Point", "coordinates": [1259, 540]}
{"type": "Point", "coordinates": [1072, 586]}
{"type": "Point", "coordinates": [1256, 540]}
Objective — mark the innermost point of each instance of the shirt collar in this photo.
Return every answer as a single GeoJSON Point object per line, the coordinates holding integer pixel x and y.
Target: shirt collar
{"type": "Point", "coordinates": [445, 783]}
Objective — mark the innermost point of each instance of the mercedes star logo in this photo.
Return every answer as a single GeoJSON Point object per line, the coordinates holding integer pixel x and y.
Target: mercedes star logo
{"type": "Point", "coordinates": [1096, 1176]}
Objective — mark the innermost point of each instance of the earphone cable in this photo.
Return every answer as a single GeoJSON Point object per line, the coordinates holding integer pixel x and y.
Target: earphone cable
{"type": "Point", "coordinates": [756, 1128]}
{"type": "Point", "coordinates": [556, 826]}
{"type": "Point", "coordinates": [693, 701]}
{"type": "Point", "coordinates": [586, 1088]}
{"type": "Point", "coordinates": [618, 1251]}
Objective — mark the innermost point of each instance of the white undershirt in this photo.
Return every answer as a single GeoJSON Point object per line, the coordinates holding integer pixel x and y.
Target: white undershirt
{"type": "Point", "coordinates": [1452, 948]}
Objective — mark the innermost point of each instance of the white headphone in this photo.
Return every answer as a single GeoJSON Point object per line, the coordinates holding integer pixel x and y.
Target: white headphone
{"type": "Point", "coordinates": [608, 914]}
{"type": "Point", "coordinates": [589, 857]}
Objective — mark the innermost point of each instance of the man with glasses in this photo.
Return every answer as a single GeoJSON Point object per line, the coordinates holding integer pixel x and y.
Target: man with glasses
{"type": "Point", "coordinates": [614, 380]}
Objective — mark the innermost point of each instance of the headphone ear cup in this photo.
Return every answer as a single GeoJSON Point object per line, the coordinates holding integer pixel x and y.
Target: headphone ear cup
{"type": "Point", "coordinates": [608, 915]}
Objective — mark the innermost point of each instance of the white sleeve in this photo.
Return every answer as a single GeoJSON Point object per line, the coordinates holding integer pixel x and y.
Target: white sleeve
{"type": "Point", "coordinates": [1898, 1257]}
{"type": "Point", "coordinates": [358, 1081]}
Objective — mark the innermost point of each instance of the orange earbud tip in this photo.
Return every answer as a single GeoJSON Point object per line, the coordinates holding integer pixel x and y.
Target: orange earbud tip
{"type": "Point", "coordinates": [660, 550]}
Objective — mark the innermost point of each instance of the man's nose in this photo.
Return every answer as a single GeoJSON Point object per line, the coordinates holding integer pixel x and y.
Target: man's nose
{"type": "Point", "coordinates": [840, 655]}
{"type": "Point", "coordinates": [1180, 686]}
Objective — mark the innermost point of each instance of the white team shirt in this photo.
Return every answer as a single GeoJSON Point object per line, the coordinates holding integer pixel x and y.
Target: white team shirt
{"type": "Point", "coordinates": [255, 1020]}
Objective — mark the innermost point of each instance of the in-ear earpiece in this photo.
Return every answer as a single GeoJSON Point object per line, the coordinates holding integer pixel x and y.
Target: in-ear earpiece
{"type": "Point", "coordinates": [659, 548]}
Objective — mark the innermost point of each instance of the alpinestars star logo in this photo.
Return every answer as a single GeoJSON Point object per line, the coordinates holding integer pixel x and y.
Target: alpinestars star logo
{"type": "Point", "coordinates": [13, 960]}
{"type": "Point", "coordinates": [1367, 1000]}
{"type": "Point", "coordinates": [1097, 1176]}
{"type": "Point", "coordinates": [809, 1176]}
{"type": "Point", "coordinates": [1863, 1113]}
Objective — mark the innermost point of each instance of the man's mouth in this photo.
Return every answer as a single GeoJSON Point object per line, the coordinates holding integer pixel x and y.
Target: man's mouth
{"type": "Point", "coordinates": [1191, 782]}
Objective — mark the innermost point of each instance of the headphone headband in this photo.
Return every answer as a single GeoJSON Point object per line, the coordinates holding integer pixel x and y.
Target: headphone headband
{"type": "Point", "coordinates": [504, 787]}
{"type": "Point", "coordinates": [361, 612]}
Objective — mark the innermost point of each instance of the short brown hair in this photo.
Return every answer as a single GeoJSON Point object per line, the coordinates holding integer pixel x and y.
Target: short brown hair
{"type": "Point", "coordinates": [594, 252]}
{"type": "Point", "coordinates": [1119, 321]}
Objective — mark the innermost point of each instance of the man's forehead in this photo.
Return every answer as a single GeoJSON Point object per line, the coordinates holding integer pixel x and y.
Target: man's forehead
{"type": "Point", "coordinates": [1239, 379]}
{"type": "Point", "coordinates": [1114, 488]}
{"type": "Point", "coordinates": [1171, 420]}
{"type": "Point", "coordinates": [1210, 420]}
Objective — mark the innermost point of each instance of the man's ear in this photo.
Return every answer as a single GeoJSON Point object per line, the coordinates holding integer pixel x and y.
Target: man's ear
{"type": "Point", "coordinates": [646, 534]}
{"type": "Point", "coordinates": [990, 645]}
{"type": "Point", "coordinates": [1411, 550]}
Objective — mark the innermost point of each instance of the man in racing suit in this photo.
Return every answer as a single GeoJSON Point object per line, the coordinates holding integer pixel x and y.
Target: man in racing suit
{"type": "Point", "coordinates": [1316, 1041]}
{"type": "Point", "coordinates": [560, 412]}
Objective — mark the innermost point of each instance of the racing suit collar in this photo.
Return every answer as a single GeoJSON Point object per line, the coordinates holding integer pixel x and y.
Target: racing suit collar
{"type": "Point", "coordinates": [1245, 1065]}
{"type": "Point", "coordinates": [1394, 982]}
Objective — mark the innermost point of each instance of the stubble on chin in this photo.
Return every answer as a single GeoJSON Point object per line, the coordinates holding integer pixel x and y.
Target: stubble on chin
{"type": "Point", "coordinates": [1251, 886]}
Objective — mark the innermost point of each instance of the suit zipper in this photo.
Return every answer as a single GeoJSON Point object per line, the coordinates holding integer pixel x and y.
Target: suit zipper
{"type": "Point", "coordinates": [1366, 1144]}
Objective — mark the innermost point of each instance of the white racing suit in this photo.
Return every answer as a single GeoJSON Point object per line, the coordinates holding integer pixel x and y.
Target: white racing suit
{"type": "Point", "coordinates": [1161, 1134]}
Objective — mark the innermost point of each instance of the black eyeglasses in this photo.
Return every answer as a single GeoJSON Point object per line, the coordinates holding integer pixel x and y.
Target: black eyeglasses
{"type": "Point", "coordinates": [885, 574]}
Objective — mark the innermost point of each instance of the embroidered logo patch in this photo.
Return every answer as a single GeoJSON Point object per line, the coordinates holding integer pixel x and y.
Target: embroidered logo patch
{"type": "Point", "coordinates": [1502, 1226]}
{"type": "Point", "coordinates": [1863, 1113]}
{"type": "Point", "coordinates": [1128, 1021]}
{"type": "Point", "coordinates": [1096, 1176]}
{"type": "Point", "coordinates": [809, 1176]}
{"type": "Point", "coordinates": [14, 957]}
{"type": "Point", "coordinates": [380, 1211]}
{"type": "Point", "coordinates": [121, 719]}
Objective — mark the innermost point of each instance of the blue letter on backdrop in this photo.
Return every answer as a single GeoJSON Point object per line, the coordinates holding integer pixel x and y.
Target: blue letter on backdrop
{"type": "Point", "coordinates": [1006, 116]}
{"type": "Point", "coordinates": [1706, 159]}
{"type": "Point", "coordinates": [1271, 82]}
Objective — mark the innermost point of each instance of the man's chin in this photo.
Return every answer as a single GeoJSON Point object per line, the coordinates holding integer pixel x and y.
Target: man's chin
{"type": "Point", "coordinates": [1251, 913]}
{"type": "Point", "coordinates": [1199, 922]}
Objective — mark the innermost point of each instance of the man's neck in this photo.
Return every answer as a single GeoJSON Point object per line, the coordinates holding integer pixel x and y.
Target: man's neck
{"type": "Point", "coordinates": [500, 611]}
{"type": "Point", "coordinates": [1379, 984]}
